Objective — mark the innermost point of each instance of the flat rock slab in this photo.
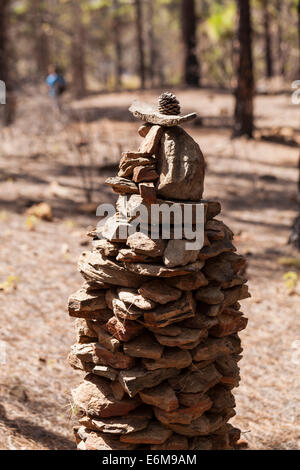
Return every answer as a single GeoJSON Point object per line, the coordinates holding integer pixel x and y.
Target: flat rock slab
{"type": "Point", "coordinates": [162, 396]}
{"type": "Point", "coordinates": [215, 249]}
{"type": "Point", "coordinates": [133, 422]}
{"type": "Point", "coordinates": [135, 380]}
{"type": "Point", "coordinates": [175, 442]}
{"type": "Point", "coordinates": [148, 113]}
{"type": "Point", "coordinates": [155, 433]}
{"type": "Point", "coordinates": [210, 295]}
{"type": "Point", "coordinates": [159, 291]}
{"type": "Point", "coordinates": [170, 358]}
{"type": "Point", "coordinates": [122, 185]}
{"type": "Point", "coordinates": [184, 415]}
{"type": "Point", "coordinates": [172, 312]}
{"type": "Point", "coordinates": [95, 267]}
{"type": "Point", "coordinates": [202, 426]}
{"type": "Point", "coordinates": [144, 346]}
{"type": "Point", "coordinates": [199, 381]}
{"type": "Point", "coordinates": [213, 348]}
{"type": "Point", "coordinates": [130, 296]}
{"type": "Point", "coordinates": [116, 359]}
{"type": "Point", "coordinates": [94, 396]}
{"type": "Point", "coordinates": [151, 140]}
{"type": "Point", "coordinates": [101, 441]}
{"type": "Point", "coordinates": [228, 324]}
{"type": "Point", "coordinates": [157, 270]}
{"type": "Point", "coordinates": [188, 282]}
{"type": "Point", "coordinates": [187, 337]}
{"type": "Point", "coordinates": [105, 371]}
{"type": "Point", "coordinates": [82, 302]}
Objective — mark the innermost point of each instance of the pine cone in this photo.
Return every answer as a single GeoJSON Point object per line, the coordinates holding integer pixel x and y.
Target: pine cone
{"type": "Point", "coordinates": [168, 104]}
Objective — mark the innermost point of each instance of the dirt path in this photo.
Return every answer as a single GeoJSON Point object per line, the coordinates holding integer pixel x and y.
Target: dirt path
{"type": "Point", "coordinates": [256, 183]}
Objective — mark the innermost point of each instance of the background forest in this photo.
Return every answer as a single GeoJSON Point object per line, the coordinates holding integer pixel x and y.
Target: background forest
{"type": "Point", "coordinates": [233, 62]}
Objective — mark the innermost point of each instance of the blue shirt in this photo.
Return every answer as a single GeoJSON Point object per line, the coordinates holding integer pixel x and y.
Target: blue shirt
{"type": "Point", "coordinates": [52, 81]}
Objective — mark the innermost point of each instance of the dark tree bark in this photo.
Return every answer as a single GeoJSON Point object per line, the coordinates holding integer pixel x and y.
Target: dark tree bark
{"type": "Point", "coordinates": [41, 46]}
{"type": "Point", "coordinates": [268, 40]}
{"type": "Point", "coordinates": [298, 11]}
{"type": "Point", "coordinates": [140, 41]}
{"type": "Point", "coordinates": [189, 36]}
{"type": "Point", "coordinates": [78, 51]}
{"type": "Point", "coordinates": [243, 115]}
{"type": "Point", "coordinates": [117, 35]}
{"type": "Point", "coordinates": [152, 44]}
{"type": "Point", "coordinates": [7, 111]}
{"type": "Point", "coordinates": [280, 52]}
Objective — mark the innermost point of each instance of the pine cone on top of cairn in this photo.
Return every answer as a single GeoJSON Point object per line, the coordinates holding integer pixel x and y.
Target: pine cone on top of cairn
{"type": "Point", "coordinates": [157, 324]}
{"type": "Point", "coordinates": [168, 104]}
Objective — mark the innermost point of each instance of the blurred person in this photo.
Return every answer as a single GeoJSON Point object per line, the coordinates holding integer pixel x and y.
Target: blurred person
{"type": "Point", "coordinates": [56, 85]}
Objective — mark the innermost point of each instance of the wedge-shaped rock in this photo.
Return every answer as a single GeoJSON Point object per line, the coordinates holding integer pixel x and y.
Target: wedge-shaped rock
{"type": "Point", "coordinates": [236, 281]}
{"type": "Point", "coordinates": [94, 397]}
{"type": "Point", "coordinates": [84, 353]}
{"type": "Point", "coordinates": [107, 340]}
{"type": "Point", "coordinates": [222, 399]}
{"type": "Point", "coordinates": [144, 174]}
{"type": "Point", "coordinates": [203, 426]}
{"type": "Point", "coordinates": [144, 346]}
{"type": "Point", "coordinates": [159, 291]}
{"type": "Point", "coordinates": [157, 270]}
{"type": "Point", "coordinates": [155, 433]}
{"type": "Point", "coordinates": [228, 324]}
{"type": "Point", "coordinates": [105, 371]}
{"type": "Point", "coordinates": [148, 192]}
{"type": "Point", "coordinates": [227, 366]}
{"type": "Point", "coordinates": [170, 358]}
{"type": "Point", "coordinates": [172, 330]}
{"type": "Point", "coordinates": [210, 295]}
{"type": "Point", "coordinates": [122, 185]}
{"type": "Point", "coordinates": [175, 442]}
{"type": "Point", "coordinates": [199, 381]}
{"type": "Point", "coordinates": [124, 330]}
{"type": "Point", "coordinates": [171, 313]}
{"type": "Point", "coordinates": [84, 329]}
{"type": "Point", "coordinates": [95, 267]}
{"type": "Point", "coordinates": [186, 337]}
{"type": "Point", "coordinates": [201, 321]}
{"type": "Point", "coordinates": [133, 422]}
{"type": "Point", "coordinates": [130, 256]}
{"type": "Point", "coordinates": [100, 441]}
{"type": "Point", "coordinates": [142, 243]}
{"type": "Point", "coordinates": [161, 396]}
{"type": "Point", "coordinates": [116, 359]}
{"type": "Point", "coordinates": [224, 267]}
{"type": "Point", "coordinates": [183, 415]}
{"type": "Point", "coordinates": [132, 297]}
{"type": "Point", "coordinates": [234, 294]}
{"type": "Point", "coordinates": [215, 249]}
{"type": "Point", "coordinates": [130, 161]}
{"type": "Point", "coordinates": [125, 311]}
{"type": "Point", "coordinates": [189, 282]}
{"type": "Point", "coordinates": [82, 303]}
{"type": "Point", "coordinates": [217, 230]}
{"type": "Point", "coordinates": [213, 348]}
{"type": "Point", "coordinates": [105, 247]}
{"type": "Point", "coordinates": [176, 254]}
{"type": "Point", "coordinates": [190, 399]}
{"type": "Point", "coordinates": [151, 141]}
{"type": "Point", "coordinates": [135, 380]}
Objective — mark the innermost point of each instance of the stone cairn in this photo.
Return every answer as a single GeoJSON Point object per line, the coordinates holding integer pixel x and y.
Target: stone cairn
{"type": "Point", "coordinates": [157, 325]}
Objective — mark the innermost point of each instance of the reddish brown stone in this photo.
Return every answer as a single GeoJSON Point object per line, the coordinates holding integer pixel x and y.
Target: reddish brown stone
{"type": "Point", "coordinates": [148, 193]}
{"type": "Point", "coordinates": [124, 330]}
{"type": "Point", "coordinates": [144, 174]}
{"type": "Point", "coordinates": [183, 415]}
{"type": "Point", "coordinates": [155, 433]}
{"type": "Point", "coordinates": [228, 324]}
{"type": "Point", "coordinates": [213, 348]}
{"type": "Point", "coordinates": [162, 396]}
{"type": "Point", "coordinates": [170, 358]}
{"type": "Point", "coordinates": [159, 291]}
{"type": "Point", "coordinates": [118, 360]}
{"type": "Point", "coordinates": [144, 346]}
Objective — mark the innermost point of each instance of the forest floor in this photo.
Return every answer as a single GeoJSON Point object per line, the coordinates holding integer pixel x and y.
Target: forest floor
{"type": "Point", "coordinates": [255, 181]}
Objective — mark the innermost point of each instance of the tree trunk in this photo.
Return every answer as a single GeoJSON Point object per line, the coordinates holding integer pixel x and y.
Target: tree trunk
{"type": "Point", "coordinates": [140, 41]}
{"type": "Point", "coordinates": [280, 53]}
{"type": "Point", "coordinates": [117, 34]}
{"type": "Point", "coordinates": [7, 111]}
{"type": "Point", "coordinates": [243, 115]}
{"type": "Point", "coordinates": [78, 51]}
{"type": "Point", "coordinates": [152, 45]}
{"type": "Point", "coordinates": [298, 11]}
{"type": "Point", "coordinates": [41, 46]}
{"type": "Point", "coordinates": [267, 38]}
{"type": "Point", "coordinates": [189, 36]}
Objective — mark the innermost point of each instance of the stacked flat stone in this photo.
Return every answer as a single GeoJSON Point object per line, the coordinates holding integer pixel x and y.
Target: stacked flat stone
{"type": "Point", "coordinates": [157, 325]}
